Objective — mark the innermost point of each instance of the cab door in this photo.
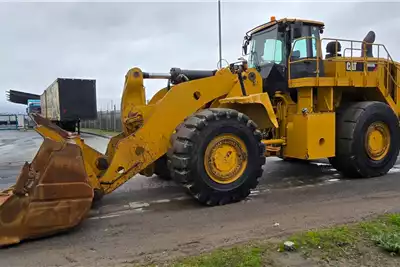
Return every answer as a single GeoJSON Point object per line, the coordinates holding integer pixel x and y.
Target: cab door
{"type": "Point", "coordinates": [303, 57]}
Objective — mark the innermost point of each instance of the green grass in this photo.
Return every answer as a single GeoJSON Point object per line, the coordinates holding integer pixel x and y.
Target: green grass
{"type": "Point", "coordinates": [241, 256]}
{"type": "Point", "coordinates": [98, 131]}
{"type": "Point", "coordinates": [341, 243]}
{"type": "Point", "coordinates": [384, 232]}
{"type": "Point", "coordinates": [328, 243]}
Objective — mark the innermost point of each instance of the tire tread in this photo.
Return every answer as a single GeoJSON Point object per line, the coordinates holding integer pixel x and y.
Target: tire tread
{"type": "Point", "coordinates": [180, 157]}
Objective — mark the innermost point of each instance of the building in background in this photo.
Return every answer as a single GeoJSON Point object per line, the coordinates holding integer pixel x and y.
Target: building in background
{"type": "Point", "coordinates": [8, 122]}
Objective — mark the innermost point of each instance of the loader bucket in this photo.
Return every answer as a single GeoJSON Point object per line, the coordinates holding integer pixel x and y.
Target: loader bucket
{"type": "Point", "coordinates": [51, 194]}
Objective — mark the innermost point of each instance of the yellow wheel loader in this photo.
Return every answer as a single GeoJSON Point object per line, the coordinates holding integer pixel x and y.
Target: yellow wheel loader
{"type": "Point", "coordinates": [210, 131]}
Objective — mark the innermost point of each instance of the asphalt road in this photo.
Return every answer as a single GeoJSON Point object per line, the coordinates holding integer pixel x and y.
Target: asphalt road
{"type": "Point", "coordinates": [147, 219]}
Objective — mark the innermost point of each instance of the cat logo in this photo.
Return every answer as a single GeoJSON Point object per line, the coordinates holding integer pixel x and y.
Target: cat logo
{"type": "Point", "coordinates": [351, 66]}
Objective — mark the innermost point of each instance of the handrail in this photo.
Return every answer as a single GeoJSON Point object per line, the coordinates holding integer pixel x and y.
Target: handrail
{"type": "Point", "coordinates": [364, 59]}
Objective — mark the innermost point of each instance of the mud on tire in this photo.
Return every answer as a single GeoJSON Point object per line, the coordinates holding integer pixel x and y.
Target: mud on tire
{"type": "Point", "coordinates": [189, 145]}
{"type": "Point", "coordinates": [352, 122]}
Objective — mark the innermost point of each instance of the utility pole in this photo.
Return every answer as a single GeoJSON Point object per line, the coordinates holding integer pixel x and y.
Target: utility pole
{"type": "Point", "coordinates": [219, 31]}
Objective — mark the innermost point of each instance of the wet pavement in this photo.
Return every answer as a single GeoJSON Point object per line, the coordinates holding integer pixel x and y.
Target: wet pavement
{"type": "Point", "coordinates": [16, 147]}
{"type": "Point", "coordinates": [151, 193]}
{"type": "Point", "coordinates": [151, 219]}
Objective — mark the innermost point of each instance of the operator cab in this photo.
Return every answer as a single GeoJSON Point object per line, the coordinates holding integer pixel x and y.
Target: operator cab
{"type": "Point", "coordinates": [269, 46]}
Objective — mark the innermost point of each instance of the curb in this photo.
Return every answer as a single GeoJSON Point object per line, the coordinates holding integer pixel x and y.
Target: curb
{"type": "Point", "coordinates": [96, 134]}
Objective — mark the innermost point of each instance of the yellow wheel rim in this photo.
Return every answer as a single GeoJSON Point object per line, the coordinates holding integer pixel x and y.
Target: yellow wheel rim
{"type": "Point", "coordinates": [225, 159]}
{"type": "Point", "coordinates": [377, 140]}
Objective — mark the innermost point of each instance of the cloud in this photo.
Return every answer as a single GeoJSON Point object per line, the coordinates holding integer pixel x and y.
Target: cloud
{"type": "Point", "coordinates": [43, 41]}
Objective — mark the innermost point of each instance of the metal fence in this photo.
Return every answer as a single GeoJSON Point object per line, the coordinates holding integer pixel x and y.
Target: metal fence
{"type": "Point", "coordinates": [108, 116]}
{"type": "Point", "coordinates": [106, 121]}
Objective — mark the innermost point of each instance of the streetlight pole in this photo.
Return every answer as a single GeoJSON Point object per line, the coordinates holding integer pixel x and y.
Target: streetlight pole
{"type": "Point", "coordinates": [219, 32]}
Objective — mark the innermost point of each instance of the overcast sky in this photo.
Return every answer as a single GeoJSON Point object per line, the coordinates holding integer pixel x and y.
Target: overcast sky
{"type": "Point", "coordinates": [43, 41]}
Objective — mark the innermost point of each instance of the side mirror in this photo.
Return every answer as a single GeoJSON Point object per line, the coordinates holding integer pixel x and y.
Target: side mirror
{"type": "Point", "coordinates": [245, 44]}
{"type": "Point", "coordinates": [244, 51]}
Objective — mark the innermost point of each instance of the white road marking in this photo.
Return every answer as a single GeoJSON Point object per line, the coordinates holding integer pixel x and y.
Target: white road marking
{"type": "Point", "coordinates": [139, 209]}
{"type": "Point", "coordinates": [182, 198]}
{"type": "Point", "coordinates": [334, 180]}
{"type": "Point", "coordinates": [105, 216]}
{"type": "Point", "coordinates": [136, 205]}
{"type": "Point", "coordinates": [160, 201]}
{"type": "Point", "coordinates": [117, 214]}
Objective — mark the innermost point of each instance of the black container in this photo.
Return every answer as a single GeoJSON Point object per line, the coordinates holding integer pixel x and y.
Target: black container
{"type": "Point", "coordinates": [70, 100]}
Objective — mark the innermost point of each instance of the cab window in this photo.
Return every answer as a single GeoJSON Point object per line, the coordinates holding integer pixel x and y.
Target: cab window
{"type": "Point", "coordinates": [306, 48]}
{"type": "Point", "coordinates": [299, 49]}
{"type": "Point", "coordinates": [273, 51]}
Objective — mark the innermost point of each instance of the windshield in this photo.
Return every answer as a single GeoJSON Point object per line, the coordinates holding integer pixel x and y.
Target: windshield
{"type": "Point", "coordinates": [266, 47]}
{"type": "Point", "coordinates": [33, 108]}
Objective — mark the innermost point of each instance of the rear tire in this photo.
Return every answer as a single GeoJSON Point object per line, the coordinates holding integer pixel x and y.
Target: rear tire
{"type": "Point", "coordinates": [235, 144]}
{"type": "Point", "coordinates": [367, 139]}
{"type": "Point", "coordinates": [98, 195]}
{"type": "Point", "coordinates": [163, 164]}
{"type": "Point", "coordinates": [161, 168]}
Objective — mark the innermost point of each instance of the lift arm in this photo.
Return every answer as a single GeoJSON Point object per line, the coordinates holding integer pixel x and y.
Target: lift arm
{"type": "Point", "coordinates": [141, 148]}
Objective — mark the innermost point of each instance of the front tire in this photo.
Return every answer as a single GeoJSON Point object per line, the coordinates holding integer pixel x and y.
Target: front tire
{"type": "Point", "coordinates": [217, 155]}
{"type": "Point", "coordinates": [367, 140]}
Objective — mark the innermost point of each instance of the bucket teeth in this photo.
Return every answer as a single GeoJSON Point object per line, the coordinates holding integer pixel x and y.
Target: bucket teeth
{"type": "Point", "coordinates": [51, 194]}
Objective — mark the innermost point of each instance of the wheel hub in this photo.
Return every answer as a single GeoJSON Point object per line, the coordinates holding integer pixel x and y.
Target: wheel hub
{"type": "Point", "coordinates": [377, 141]}
{"type": "Point", "coordinates": [225, 159]}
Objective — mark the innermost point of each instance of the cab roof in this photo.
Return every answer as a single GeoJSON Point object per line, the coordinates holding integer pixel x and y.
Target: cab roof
{"type": "Point", "coordinates": [273, 22]}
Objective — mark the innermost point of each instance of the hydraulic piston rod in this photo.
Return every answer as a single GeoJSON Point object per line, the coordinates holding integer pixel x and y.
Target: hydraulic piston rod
{"type": "Point", "coordinates": [147, 75]}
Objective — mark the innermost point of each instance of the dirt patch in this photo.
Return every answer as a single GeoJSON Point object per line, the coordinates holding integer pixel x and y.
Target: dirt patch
{"type": "Point", "coordinates": [366, 255]}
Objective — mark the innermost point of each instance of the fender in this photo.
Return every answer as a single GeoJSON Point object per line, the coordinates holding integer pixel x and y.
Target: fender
{"type": "Point", "coordinates": [264, 116]}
